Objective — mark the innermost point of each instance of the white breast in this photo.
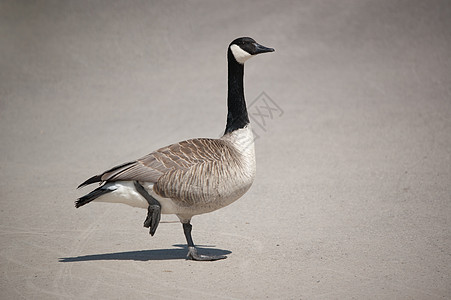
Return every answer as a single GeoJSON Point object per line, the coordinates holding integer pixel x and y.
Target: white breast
{"type": "Point", "coordinates": [243, 141]}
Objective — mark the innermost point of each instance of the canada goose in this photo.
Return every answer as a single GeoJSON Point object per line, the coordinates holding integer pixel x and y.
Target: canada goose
{"type": "Point", "coordinates": [195, 176]}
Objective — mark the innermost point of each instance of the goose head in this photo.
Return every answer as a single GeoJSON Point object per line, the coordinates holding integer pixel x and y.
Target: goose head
{"type": "Point", "coordinates": [244, 48]}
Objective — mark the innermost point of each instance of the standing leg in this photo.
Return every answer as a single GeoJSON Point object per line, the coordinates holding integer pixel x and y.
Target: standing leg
{"type": "Point", "coordinates": [153, 211]}
{"type": "Point", "coordinates": [192, 250]}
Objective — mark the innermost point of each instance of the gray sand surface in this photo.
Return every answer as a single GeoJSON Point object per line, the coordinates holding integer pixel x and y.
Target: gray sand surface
{"type": "Point", "coordinates": [352, 198]}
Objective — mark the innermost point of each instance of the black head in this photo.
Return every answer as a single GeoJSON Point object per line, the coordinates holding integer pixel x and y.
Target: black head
{"type": "Point", "coordinates": [244, 48]}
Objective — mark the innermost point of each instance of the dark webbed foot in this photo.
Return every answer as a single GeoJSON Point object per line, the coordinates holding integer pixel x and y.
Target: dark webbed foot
{"type": "Point", "coordinates": [192, 250]}
{"type": "Point", "coordinates": [153, 218]}
{"type": "Point", "coordinates": [194, 255]}
{"type": "Point", "coordinates": [153, 211]}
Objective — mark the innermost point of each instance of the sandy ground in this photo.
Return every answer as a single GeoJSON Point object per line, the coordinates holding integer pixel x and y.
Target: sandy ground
{"type": "Point", "coordinates": [352, 198]}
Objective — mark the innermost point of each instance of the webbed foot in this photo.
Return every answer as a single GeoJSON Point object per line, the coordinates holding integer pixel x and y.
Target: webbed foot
{"type": "Point", "coordinates": [153, 218]}
{"type": "Point", "coordinates": [192, 250]}
{"type": "Point", "coordinates": [194, 255]}
{"type": "Point", "coordinates": [153, 211]}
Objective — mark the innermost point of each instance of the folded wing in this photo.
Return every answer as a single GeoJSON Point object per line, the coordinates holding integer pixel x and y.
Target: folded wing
{"type": "Point", "coordinates": [180, 156]}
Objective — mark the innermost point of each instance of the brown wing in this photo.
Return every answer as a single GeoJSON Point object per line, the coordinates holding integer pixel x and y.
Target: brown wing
{"type": "Point", "coordinates": [179, 156]}
{"type": "Point", "coordinates": [205, 181]}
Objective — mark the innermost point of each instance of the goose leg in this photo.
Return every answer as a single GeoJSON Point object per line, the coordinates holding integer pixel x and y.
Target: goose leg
{"type": "Point", "coordinates": [192, 250]}
{"type": "Point", "coordinates": [153, 211]}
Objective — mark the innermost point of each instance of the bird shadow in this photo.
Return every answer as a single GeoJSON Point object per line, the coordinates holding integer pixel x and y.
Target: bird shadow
{"type": "Point", "coordinates": [146, 255]}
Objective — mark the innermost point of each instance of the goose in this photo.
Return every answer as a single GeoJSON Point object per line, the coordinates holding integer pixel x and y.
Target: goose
{"type": "Point", "coordinates": [195, 176]}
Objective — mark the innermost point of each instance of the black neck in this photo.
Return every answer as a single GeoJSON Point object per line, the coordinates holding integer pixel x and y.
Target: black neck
{"type": "Point", "coordinates": [237, 113]}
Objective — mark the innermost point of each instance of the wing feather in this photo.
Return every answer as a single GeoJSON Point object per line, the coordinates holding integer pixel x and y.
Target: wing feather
{"type": "Point", "coordinates": [180, 156]}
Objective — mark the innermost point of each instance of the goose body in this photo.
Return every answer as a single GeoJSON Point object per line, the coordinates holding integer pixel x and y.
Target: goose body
{"type": "Point", "coordinates": [214, 174]}
{"type": "Point", "coordinates": [195, 176]}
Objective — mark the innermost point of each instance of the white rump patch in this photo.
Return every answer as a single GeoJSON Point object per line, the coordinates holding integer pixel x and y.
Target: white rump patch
{"type": "Point", "coordinates": [125, 192]}
{"type": "Point", "coordinates": [240, 55]}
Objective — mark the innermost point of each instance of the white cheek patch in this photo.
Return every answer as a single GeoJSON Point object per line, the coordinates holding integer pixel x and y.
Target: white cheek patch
{"type": "Point", "coordinates": [240, 55]}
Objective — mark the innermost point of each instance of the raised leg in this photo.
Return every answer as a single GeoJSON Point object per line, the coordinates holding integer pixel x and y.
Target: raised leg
{"type": "Point", "coordinates": [153, 211]}
{"type": "Point", "coordinates": [192, 250]}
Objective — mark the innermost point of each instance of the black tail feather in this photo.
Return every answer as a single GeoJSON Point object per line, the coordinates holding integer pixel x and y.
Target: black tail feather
{"type": "Point", "coordinates": [93, 195]}
{"type": "Point", "coordinates": [93, 179]}
{"type": "Point", "coordinates": [98, 178]}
